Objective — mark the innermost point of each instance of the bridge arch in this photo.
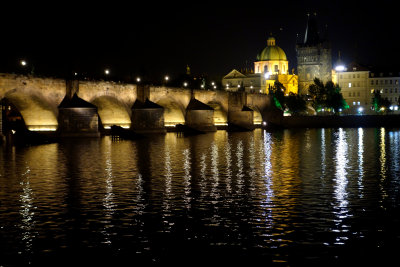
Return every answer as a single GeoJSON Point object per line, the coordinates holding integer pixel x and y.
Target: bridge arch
{"type": "Point", "coordinates": [112, 111]}
{"type": "Point", "coordinates": [220, 113]}
{"type": "Point", "coordinates": [257, 116]}
{"type": "Point", "coordinates": [174, 112]}
{"type": "Point", "coordinates": [37, 112]}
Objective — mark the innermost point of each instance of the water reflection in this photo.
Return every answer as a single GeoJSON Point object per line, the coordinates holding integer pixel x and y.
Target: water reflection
{"type": "Point", "coordinates": [239, 164]}
{"type": "Point", "coordinates": [323, 152]}
{"type": "Point", "coordinates": [259, 193]}
{"type": "Point", "coordinates": [341, 195]}
{"type": "Point", "coordinates": [108, 200]}
{"type": "Point", "coordinates": [187, 178]}
{"type": "Point", "coordinates": [228, 170]}
{"type": "Point", "coordinates": [27, 212]}
{"type": "Point", "coordinates": [267, 166]}
{"type": "Point", "coordinates": [382, 161]}
{"type": "Point", "coordinates": [360, 160]}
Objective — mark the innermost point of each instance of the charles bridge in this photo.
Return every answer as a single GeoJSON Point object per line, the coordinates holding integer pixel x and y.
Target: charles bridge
{"type": "Point", "coordinates": [76, 107]}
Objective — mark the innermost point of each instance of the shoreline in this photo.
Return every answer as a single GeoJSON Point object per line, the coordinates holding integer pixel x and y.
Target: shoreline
{"type": "Point", "coordinates": [335, 121]}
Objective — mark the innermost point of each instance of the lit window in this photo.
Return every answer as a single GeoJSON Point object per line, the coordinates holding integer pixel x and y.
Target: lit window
{"type": "Point", "coordinates": [358, 103]}
{"type": "Point", "coordinates": [349, 85]}
{"type": "Point", "coordinates": [372, 91]}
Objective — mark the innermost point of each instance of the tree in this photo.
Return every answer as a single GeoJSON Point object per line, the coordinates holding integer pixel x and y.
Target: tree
{"type": "Point", "coordinates": [295, 103]}
{"type": "Point", "coordinates": [278, 94]}
{"type": "Point", "coordinates": [327, 96]}
{"type": "Point", "coordinates": [379, 103]}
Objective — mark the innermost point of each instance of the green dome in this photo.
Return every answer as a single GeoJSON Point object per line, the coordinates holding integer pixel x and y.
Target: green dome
{"type": "Point", "coordinates": [271, 52]}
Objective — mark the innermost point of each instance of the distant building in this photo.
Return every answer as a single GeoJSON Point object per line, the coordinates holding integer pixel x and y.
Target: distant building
{"type": "Point", "coordinates": [271, 65]}
{"type": "Point", "coordinates": [314, 59]}
{"type": "Point", "coordinates": [358, 85]}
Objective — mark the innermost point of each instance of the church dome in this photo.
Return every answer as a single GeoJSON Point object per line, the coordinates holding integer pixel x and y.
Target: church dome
{"type": "Point", "coordinates": [271, 52]}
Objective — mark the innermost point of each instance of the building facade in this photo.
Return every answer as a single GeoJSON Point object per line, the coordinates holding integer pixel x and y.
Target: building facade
{"type": "Point", "coordinates": [314, 57]}
{"type": "Point", "coordinates": [271, 66]}
{"type": "Point", "coordinates": [358, 85]}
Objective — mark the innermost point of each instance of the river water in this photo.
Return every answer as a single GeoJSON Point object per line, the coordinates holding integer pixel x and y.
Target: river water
{"type": "Point", "coordinates": [287, 198]}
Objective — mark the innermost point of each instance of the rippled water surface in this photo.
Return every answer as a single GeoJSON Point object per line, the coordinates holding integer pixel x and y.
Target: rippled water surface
{"type": "Point", "coordinates": [290, 197]}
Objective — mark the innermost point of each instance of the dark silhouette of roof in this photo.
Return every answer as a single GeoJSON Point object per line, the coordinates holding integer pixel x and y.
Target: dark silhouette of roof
{"type": "Point", "coordinates": [195, 104]}
{"type": "Point", "coordinates": [246, 108]}
{"type": "Point", "coordinates": [75, 102]}
{"type": "Point", "coordinates": [147, 104]}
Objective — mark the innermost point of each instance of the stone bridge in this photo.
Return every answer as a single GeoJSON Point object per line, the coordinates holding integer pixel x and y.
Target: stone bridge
{"type": "Point", "coordinates": [38, 99]}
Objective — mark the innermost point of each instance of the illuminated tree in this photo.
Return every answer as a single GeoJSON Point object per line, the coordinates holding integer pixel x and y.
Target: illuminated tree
{"type": "Point", "coordinates": [278, 94]}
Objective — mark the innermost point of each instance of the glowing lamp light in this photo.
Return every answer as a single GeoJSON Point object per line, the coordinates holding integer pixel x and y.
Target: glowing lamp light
{"type": "Point", "coordinates": [185, 84]}
{"type": "Point", "coordinates": [107, 71]}
{"type": "Point", "coordinates": [340, 68]}
{"type": "Point", "coordinates": [138, 79]}
{"type": "Point", "coordinates": [166, 78]}
{"type": "Point", "coordinates": [23, 63]}
{"type": "Point", "coordinates": [266, 75]}
{"type": "Point", "coordinates": [360, 109]}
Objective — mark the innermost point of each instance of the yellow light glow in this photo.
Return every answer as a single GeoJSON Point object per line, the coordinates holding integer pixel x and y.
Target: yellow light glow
{"type": "Point", "coordinates": [42, 129]}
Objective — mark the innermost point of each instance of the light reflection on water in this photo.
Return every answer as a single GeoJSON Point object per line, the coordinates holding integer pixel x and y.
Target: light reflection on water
{"type": "Point", "coordinates": [284, 197]}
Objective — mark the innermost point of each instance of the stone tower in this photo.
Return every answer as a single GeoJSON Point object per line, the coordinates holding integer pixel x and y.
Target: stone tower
{"type": "Point", "coordinates": [314, 58]}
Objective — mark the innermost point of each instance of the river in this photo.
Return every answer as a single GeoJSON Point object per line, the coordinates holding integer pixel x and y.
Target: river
{"type": "Point", "coordinates": [287, 197]}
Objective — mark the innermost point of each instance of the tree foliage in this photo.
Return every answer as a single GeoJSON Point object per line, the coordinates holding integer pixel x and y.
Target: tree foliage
{"type": "Point", "coordinates": [326, 96]}
{"type": "Point", "coordinates": [379, 103]}
{"type": "Point", "coordinates": [293, 103]}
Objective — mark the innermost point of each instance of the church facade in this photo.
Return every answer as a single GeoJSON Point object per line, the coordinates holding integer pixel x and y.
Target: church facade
{"type": "Point", "coordinates": [271, 66]}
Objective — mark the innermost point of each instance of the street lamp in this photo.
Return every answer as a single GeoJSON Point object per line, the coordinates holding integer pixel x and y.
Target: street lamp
{"type": "Point", "coordinates": [138, 79]}
{"type": "Point", "coordinates": [23, 63]}
{"type": "Point", "coordinates": [106, 71]}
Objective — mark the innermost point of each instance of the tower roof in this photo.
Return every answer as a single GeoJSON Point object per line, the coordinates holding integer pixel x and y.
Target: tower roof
{"type": "Point", "coordinates": [311, 36]}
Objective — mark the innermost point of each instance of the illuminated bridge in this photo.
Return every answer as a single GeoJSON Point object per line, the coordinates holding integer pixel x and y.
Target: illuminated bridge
{"type": "Point", "coordinates": [48, 104]}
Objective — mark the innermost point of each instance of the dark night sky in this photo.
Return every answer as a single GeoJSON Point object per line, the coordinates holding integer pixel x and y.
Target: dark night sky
{"type": "Point", "coordinates": [155, 39]}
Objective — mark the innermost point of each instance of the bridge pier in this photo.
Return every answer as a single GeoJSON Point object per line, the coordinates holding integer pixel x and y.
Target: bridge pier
{"type": "Point", "coordinates": [200, 116]}
{"type": "Point", "coordinates": [240, 116]}
{"type": "Point", "coordinates": [77, 117]}
{"type": "Point", "coordinates": [147, 116]}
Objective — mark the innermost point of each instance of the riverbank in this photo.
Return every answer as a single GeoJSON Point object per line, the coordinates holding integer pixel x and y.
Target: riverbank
{"type": "Point", "coordinates": [334, 121]}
